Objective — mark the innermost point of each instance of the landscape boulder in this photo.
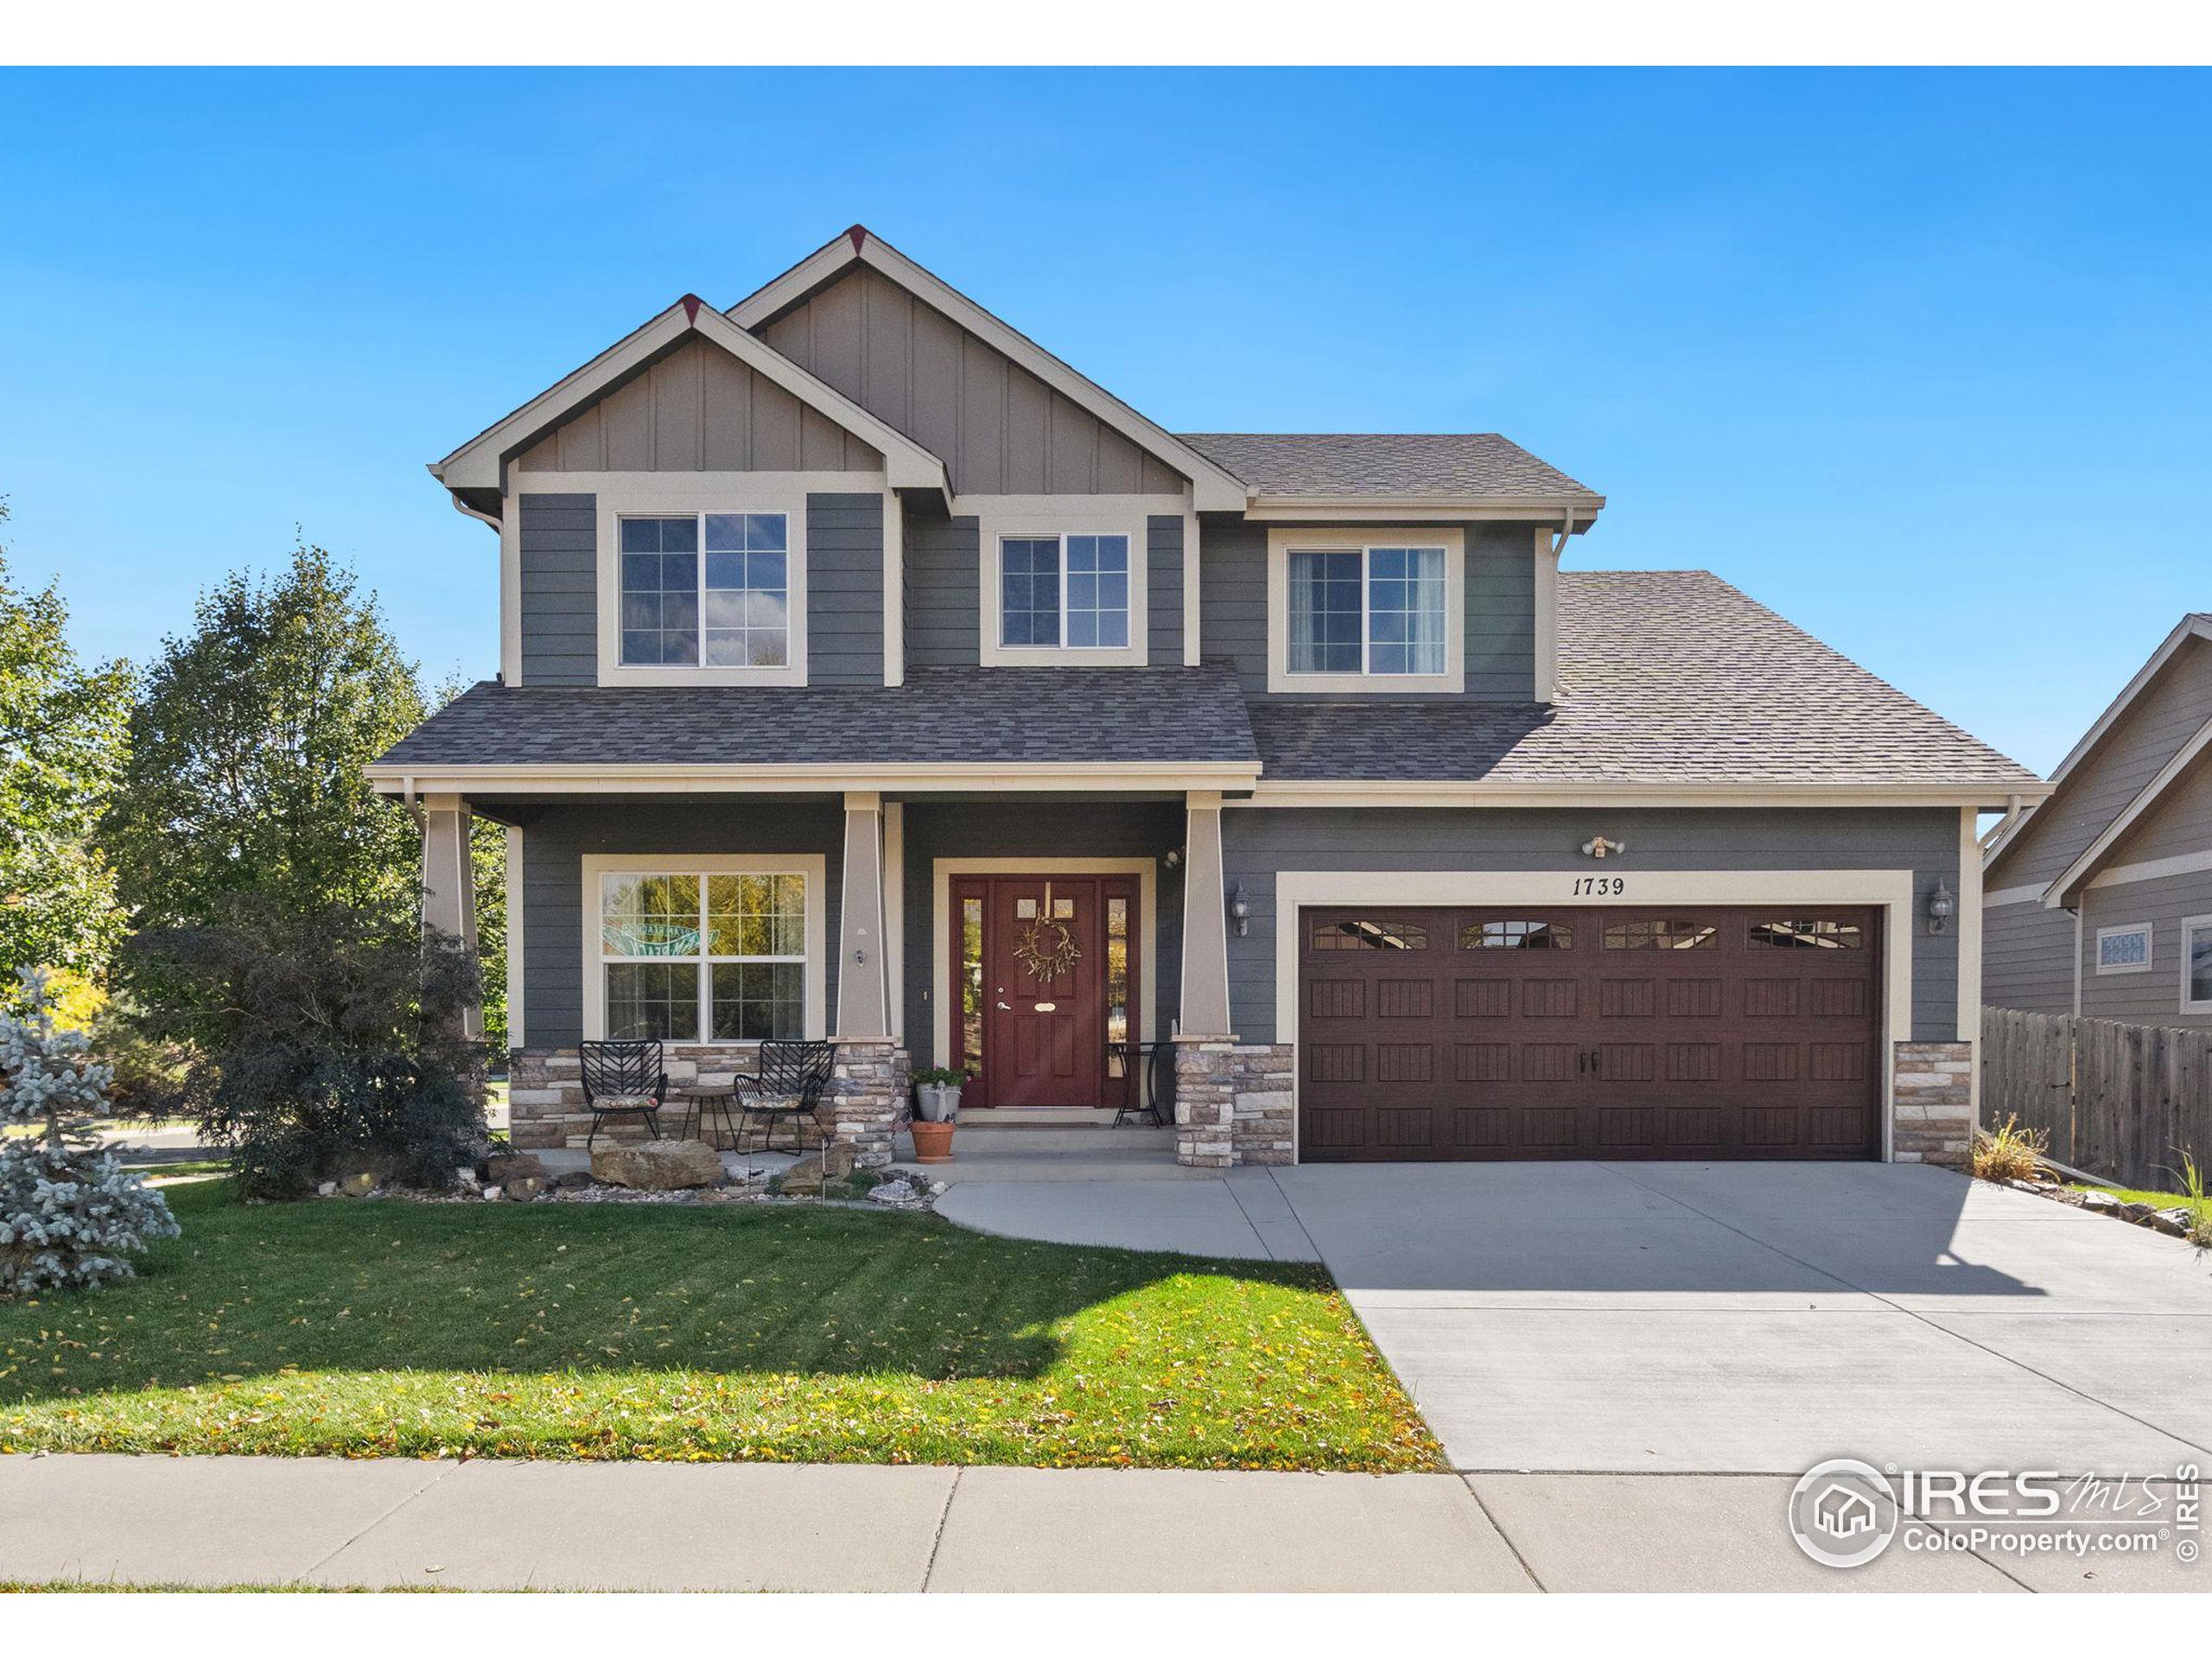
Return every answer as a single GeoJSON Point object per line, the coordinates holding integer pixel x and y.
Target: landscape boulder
{"type": "Point", "coordinates": [506, 1166]}
{"type": "Point", "coordinates": [659, 1166]}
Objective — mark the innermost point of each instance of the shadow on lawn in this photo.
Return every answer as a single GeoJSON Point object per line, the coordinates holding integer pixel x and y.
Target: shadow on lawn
{"type": "Point", "coordinates": [340, 1286]}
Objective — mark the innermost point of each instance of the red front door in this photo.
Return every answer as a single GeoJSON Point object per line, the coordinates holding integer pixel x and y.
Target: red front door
{"type": "Point", "coordinates": [1043, 973]}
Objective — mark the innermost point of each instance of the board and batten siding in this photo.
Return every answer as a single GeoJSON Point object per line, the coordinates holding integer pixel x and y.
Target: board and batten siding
{"type": "Point", "coordinates": [1106, 828]}
{"type": "Point", "coordinates": [557, 540]}
{"type": "Point", "coordinates": [1257, 841]}
{"type": "Point", "coordinates": [699, 409]}
{"type": "Point", "coordinates": [2170, 712]}
{"type": "Point", "coordinates": [556, 839]}
{"type": "Point", "coordinates": [844, 589]}
{"type": "Point", "coordinates": [998, 429]}
{"type": "Point", "coordinates": [1500, 606]}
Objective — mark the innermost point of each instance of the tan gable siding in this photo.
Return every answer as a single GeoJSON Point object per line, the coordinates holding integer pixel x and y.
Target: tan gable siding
{"type": "Point", "coordinates": [998, 428]}
{"type": "Point", "coordinates": [699, 409]}
{"type": "Point", "coordinates": [2099, 789]}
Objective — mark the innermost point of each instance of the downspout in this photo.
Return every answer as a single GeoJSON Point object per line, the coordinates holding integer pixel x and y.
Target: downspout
{"type": "Point", "coordinates": [407, 800]}
{"type": "Point", "coordinates": [1567, 529]}
{"type": "Point", "coordinates": [2012, 809]}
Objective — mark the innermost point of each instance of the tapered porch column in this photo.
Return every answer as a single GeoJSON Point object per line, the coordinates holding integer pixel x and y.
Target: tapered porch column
{"type": "Point", "coordinates": [1205, 1102]}
{"type": "Point", "coordinates": [449, 883]}
{"type": "Point", "coordinates": [863, 999]}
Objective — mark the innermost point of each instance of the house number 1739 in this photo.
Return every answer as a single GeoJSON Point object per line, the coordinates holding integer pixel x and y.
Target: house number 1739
{"type": "Point", "coordinates": [1600, 886]}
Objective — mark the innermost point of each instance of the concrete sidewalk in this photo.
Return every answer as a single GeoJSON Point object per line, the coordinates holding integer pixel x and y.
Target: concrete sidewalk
{"type": "Point", "coordinates": [637, 1526]}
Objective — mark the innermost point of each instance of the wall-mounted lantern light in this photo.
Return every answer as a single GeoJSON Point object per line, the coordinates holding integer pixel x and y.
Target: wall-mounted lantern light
{"type": "Point", "coordinates": [1240, 912]}
{"type": "Point", "coordinates": [1941, 908]}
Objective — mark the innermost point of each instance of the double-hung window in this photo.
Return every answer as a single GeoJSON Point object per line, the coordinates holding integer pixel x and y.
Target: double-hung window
{"type": "Point", "coordinates": [1063, 592]}
{"type": "Point", "coordinates": [2197, 965]}
{"type": "Point", "coordinates": [694, 955]}
{"type": "Point", "coordinates": [1354, 611]}
{"type": "Point", "coordinates": [706, 589]}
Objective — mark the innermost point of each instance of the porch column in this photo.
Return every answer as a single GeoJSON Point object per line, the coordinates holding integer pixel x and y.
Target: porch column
{"type": "Point", "coordinates": [863, 1002]}
{"type": "Point", "coordinates": [1205, 1101]}
{"type": "Point", "coordinates": [449, 883]}
{"type": "Point", "coordinates": [1205, 922]}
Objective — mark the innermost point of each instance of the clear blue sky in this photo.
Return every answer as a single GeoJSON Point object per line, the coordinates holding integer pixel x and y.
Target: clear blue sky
{"type": "Point", "coordinates": [1922, 360]}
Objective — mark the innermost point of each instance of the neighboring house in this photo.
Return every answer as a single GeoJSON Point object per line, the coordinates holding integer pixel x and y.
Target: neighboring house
{"type": "Point", "coordinates": [2100, 900]}
{"type": "Point", "coordinates": [867, 672]}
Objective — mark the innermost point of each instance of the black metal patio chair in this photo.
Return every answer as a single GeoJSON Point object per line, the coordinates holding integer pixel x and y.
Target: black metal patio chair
{"type": "Point", "coordinates": [623, 1080]}
{"type": "Point", "coordinates": [1147, 1076]}
{"type": "Point", "coordinates": [789, 1082]}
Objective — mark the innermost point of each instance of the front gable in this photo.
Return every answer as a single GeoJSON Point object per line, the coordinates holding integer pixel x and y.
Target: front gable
{"type": "Point", "coordinates": [699, 409]}
{"type": "Point", "coordinates": [1008, 418]}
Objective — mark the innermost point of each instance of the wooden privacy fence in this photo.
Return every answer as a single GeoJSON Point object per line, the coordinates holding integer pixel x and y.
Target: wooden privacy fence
{"type": "Point", "coordinates": [2123, 1102]}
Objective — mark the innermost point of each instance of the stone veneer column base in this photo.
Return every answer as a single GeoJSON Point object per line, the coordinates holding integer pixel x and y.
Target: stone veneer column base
{"type": "Point", "coordinates": [866, 1100]}
{"type": "Point", "coordinates": [1932, 1104]}
{"type": "Point", "coordinates": [1233, 1104]}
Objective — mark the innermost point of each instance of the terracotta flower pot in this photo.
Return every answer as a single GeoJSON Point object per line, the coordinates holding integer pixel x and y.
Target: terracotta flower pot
{"type": "Point", "coordinates": [932, 1142]}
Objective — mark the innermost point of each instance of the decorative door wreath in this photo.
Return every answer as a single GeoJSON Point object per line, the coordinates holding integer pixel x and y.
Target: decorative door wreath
{"type": "Point", "coordinates": [1047, 947]}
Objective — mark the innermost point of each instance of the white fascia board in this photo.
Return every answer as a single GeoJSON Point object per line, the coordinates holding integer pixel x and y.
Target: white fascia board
{"type": "Point", "coordinates": [826, 776]}
{"type": "Point", "coordinates": [1212, 489]}
{"type": "Point", "coordinates": [1295, 509]}
{"type": "Point", "coordinates": [479, 463]}
{"type": "Point", "coordinates": [1597, 793]}
{"type": "Point", "coordinates": [2189, 627]}
{"type": "Point", "coordinates": [2094, 855]}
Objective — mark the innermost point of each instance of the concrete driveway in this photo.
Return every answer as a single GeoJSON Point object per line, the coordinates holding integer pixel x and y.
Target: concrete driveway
{"type": "Point", "coordinates": [1718, 1319]}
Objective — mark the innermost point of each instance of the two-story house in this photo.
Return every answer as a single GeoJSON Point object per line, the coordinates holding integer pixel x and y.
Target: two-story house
{"type": "Point", "coordinates": [867, 672]}
{"type": "Point", "coordinates": [2100, 900]}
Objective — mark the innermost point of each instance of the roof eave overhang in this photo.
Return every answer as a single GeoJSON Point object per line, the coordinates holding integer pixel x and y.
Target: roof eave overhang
{"type": "Point", "coordinates": [1550, 510]}
{"type": "Point", "coordinates": [481, 464]}
{"type": "Point", "coordinates": [1213, 489]}
{"type": "Point", "coordinates": [2075, 876]}
{"type": "Point", "coordinates": [1600, 793]}
{"type": "Point", "coordinates": [401, 780]}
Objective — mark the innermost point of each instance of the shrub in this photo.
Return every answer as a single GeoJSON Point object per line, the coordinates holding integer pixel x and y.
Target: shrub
{"type": "Point", "coordinates": [2008, 1153]}
{"type": "Point", "coordinates": [69, 1214]}
{"type": "Point", "coordinates": [332, 1043]}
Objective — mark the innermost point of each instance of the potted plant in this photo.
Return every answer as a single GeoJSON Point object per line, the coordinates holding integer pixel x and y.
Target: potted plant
{"type": "Point", "coordinates": [936, 1109]}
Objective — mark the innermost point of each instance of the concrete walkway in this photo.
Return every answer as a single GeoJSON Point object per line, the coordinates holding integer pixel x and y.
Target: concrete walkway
{"type": "Point", "coordinates": [636, 1526]}
{"type": "Point", "coordinates": [1718, 1319]}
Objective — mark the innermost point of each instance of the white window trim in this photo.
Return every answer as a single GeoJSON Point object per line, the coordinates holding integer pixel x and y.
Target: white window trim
{"type": "Point", "coordinates": [1282, 543]}
{"type": "Point", "coordinates": [1017, 517]}
{"type": "Point", "coordinates": [2150, 941]}
{"type": "Point", "coordinates": [813, 865]}
{"type": "Point", "coordinates": [692, 493]}
{"type": "Point", "coordinates": [2192, 925]}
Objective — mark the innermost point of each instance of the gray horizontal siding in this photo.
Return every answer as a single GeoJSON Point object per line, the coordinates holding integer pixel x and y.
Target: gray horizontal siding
{"type": "Point", "coordinates": [2154, 998]}
{"type": "Point", "coordinates": [844, 589]}
{"type": "Point", "coordinates": [1259, 841]}
{"type": "Point", "coordinates": [1037, 829]}
{"type": "Point", "coordinates": [1500, 604]}
{"type": "Point", "coordinates": [556, 839]}
{"type": "Point", "coordinates": [558, 539]}
{"type": "Point", "coordinates": [1163, 555]}
{"type": "Point", "coordinates": [944, 578]}
{"type": "Point", "coordinates": [2027, 958]}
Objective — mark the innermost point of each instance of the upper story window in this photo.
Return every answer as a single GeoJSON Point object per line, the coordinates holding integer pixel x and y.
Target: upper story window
{"type": "Point", "coordinates": [1071, 592]}
{"type": "Point", "coordinates": [1062, 580]}
{"type": "Point", "coordinates": [708, 589]}
{"type": "Point", "coordinates": [2124, 949]}
{"type": "Point", "coordinates": [1353, 610]}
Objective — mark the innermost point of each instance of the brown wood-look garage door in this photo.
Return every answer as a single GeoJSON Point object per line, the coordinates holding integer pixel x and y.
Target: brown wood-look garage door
{"type": "Point", "coordinates": [1495, 1033]}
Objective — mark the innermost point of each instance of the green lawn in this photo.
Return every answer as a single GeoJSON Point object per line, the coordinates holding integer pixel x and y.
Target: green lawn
{"type": "Point", "coordinates": [724, 1332]}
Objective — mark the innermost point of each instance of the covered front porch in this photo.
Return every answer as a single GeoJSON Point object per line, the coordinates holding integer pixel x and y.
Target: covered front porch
{"type": "Point", "coordinates": [1067, 951]}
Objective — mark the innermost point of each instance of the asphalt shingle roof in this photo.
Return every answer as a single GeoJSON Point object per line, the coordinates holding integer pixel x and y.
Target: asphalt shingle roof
{"type": "Point", "coordinates": [1666, 677]}
{"type": "Point", "coordinates": [1008, 714]}
{"type": "Point", "coordinates": [1454, 464]}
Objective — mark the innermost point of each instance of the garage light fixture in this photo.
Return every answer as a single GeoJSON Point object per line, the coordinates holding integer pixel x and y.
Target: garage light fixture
{"type": "Point", "coordinates": [1940, 906]}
